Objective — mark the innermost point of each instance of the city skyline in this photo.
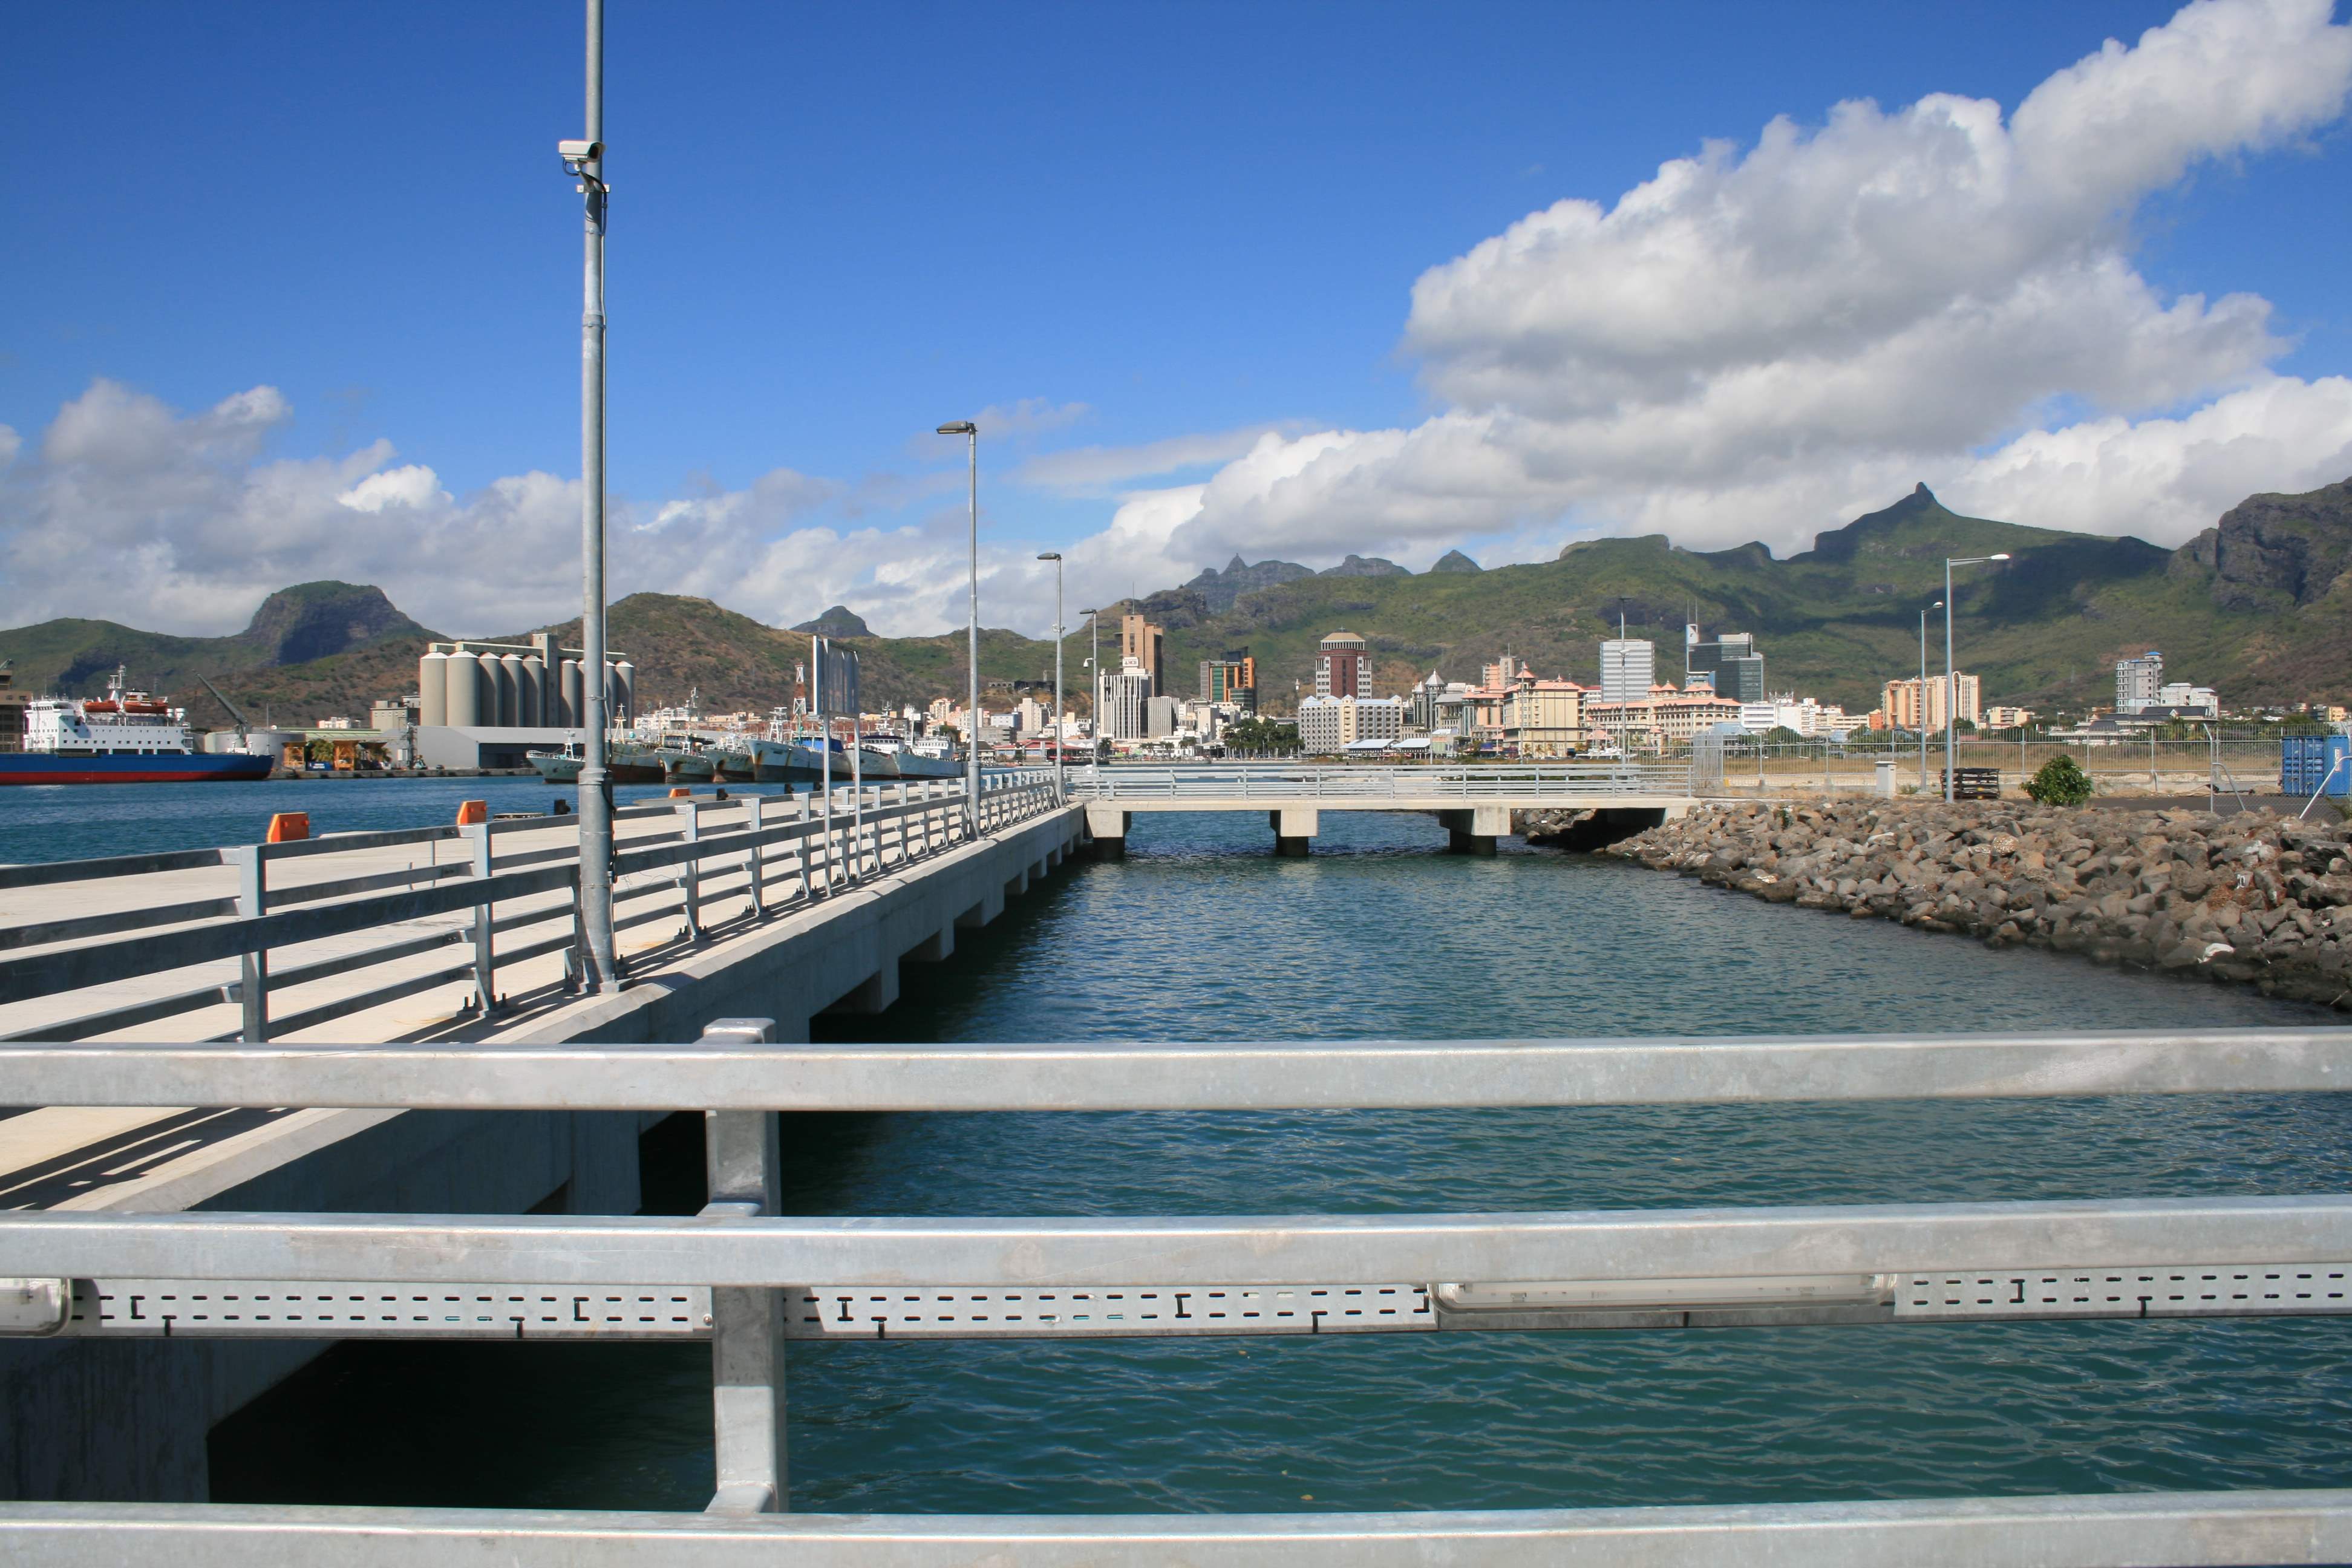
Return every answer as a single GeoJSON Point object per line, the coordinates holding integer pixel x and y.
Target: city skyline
{"type": "Point", "coordinates": [221, 452]}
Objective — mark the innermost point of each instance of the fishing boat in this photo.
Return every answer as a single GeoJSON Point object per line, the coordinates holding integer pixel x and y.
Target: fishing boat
{"type": "Point", "coordinates": [124, 737]}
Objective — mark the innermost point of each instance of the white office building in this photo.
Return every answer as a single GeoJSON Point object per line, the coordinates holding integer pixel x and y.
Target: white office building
{"type": "Point", "coordinates": [2181, 695]}
{"type": "Point", "coordinates": [1628, 666]}
{"type": "Point", "coordinates": [1129, 709]}
{"type": "Point", "coordinates": [2138, 680]}
{"type": "Point", "coordinates": [1329, 725]}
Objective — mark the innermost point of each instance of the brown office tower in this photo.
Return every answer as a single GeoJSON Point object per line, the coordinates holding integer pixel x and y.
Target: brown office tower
{"type": "Point", "coordinates": [1343, 667]}
{"type": "Point", "coordinates": [1146, 644]}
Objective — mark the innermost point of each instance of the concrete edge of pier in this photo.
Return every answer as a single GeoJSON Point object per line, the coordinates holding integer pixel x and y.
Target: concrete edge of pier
{"type": "Point", "coordinates": [84, 1420]}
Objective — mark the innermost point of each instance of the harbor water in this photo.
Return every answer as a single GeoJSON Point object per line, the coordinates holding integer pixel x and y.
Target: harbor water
{"type": "Point", "coordinates": [1201, 933]}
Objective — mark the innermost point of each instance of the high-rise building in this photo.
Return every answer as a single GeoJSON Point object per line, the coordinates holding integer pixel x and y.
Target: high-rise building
{"type": "Point", "coordinates": [1342, 667]}
{"type": "Point", "coordinates": [1732, 664]}
{"type": "Point", "coordinates": [2137, 681]}
{"type": "Point", "coordinates": [1906, 709]}
{"type": "Point", "coordinates": [1128, 714]}
{"type": "Point", "coordinates": [1146, 644]}
{"type": "Point", "coordinates": [1231, 677]}
{"type": "Point", "coordinates": [1498, 676]}
{"type": "Point", "coordinates": [1628, 667]}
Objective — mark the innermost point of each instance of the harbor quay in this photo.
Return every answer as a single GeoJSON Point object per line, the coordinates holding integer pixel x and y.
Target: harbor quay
{"type": "Point", "coordinates": [744, 907]}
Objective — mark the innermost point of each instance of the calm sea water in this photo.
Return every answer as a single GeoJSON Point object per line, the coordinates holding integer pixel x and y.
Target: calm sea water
{"type": "Point", "coordinates": [75, 821]}
{"type": "Point", "coordinates": [1201, 933]}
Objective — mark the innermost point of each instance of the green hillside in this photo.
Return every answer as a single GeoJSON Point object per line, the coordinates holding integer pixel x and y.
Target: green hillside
{"type": "Point", "coordinates": [2260, 606]}
{"type": "Point", "coordinates": [1837, 621]}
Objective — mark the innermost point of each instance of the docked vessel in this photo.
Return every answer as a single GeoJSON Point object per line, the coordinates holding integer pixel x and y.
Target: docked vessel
{"type": "Point", "coordinates": [123, 737]}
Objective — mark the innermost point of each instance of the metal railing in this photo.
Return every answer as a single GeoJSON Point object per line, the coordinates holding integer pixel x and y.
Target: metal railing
{"type": "Point", "coordinates": [751, 1279]}
{"type": "Point", "coordinates": [770, 851]}
{"type": "Point", "coordinates": [1275, 784]}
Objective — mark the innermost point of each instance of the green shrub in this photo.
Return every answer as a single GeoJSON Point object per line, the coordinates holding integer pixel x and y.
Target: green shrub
{"type": "Point", "coordinates": [2061, 781]}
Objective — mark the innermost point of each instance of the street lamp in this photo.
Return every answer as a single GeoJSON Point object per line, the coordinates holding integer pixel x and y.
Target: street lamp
{"type": "Point", "coordinates": [584, 160]}
{"type": "Point", "coordinates": [1094, 716]}
{"type": "Point", "coordinates": [971, 432]}
{"type": "Point", "coordinates": [1922, 694]}
{"type": "Point", "coordinates": [1951, 678]}
{"type": "Point", "coordinates": [1061, 786]}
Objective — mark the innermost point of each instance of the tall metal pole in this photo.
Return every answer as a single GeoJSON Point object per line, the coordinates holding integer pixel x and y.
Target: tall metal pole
{"type": "Point", "coordinates": [600, 973]}
{"type": "Point", "coordinates": [1951, 687]}
{"type": "Point", "coordinates": [1061, 780]}
{"type": "Point", "coordinates": [1094, 721]}
{"type": "Point", "coordinates": [972, 749]}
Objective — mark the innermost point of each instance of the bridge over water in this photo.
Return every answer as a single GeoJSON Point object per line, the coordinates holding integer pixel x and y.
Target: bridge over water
{"type": "Point", "coordinates": [471, 1173]}
{"type": "Point", "coordinates": [1475, 803]}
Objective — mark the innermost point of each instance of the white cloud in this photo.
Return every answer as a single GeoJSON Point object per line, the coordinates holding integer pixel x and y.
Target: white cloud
{"type": "Point", "coordinates": [197, 525]}
{"type": "Point", "coordinates": [1029, 416]}
{"type": "Point", "coordinates": [1089, 469]}
{"type": "Point", "coordinates": [1759, 345]}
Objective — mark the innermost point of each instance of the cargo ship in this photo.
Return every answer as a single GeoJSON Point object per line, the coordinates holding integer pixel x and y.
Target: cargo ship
{"type": "Point", "coordinates": [123, 737]}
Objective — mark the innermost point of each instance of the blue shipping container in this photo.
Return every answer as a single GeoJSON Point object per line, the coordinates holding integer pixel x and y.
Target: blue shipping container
{"type": "Point", "coordinates": [2307, 760]}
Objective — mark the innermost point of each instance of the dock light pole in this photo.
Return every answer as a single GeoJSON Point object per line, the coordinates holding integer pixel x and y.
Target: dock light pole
{"type": "Point", "coordinates": [1061, 785]}
{"type": "Point", "coordinates": [1951, 676]}
{"type": "Point", "coordinates": [1923, 693]}
{"type": "Point", "coordinates": [1094, 713]}
{"type": "Point", "coordinates": [584, 161]}
{"type": "Point", "coordinates": [971, 432]}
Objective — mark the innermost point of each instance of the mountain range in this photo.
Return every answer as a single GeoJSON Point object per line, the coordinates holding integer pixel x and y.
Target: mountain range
{"type": "Point", "coordinates": [2258, 605]}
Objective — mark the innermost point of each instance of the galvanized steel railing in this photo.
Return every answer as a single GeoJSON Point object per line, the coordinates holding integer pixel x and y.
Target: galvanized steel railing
{"type": "Point", "coordinates": [1569, 782]}
{"type": "Point", "coordinates": [751, 1279]}
{"type": "Point", "coordinates": [772, 854]}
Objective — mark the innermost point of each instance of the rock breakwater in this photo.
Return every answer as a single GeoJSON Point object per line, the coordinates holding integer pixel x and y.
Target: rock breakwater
{"type": "Point", "coordinates": [2248, 898]}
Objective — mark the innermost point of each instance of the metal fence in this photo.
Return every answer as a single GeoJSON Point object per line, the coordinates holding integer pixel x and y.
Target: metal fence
{"type": "Point", "coordinates": [513, 907]}
{"type": "Point", "coordinates": [2234, 764]}
{"type": "Point", "coordinates": [751, 1279]}
{"type": "Point", "coordinates": [1275, 784]}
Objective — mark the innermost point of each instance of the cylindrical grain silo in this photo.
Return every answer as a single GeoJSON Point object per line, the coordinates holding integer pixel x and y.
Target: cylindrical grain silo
{"type": "Point", "coordinates": [511, 690]}
{"type": "Point", "coordinates": [572, 695]}
{"type": "Point", "coordinates": [491, 670]}
{"type": "Point", "coordinates": [534, 692]}
{"type": "Point", "coordinates": [628, 675]}
{"type": "Point", "coordinates": [463, 673]}
{"type": "Point", "coordinates": [433, 689]}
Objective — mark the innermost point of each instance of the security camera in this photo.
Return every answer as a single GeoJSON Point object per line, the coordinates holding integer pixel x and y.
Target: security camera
{"type": "Point", "coordinates": [580, 152]}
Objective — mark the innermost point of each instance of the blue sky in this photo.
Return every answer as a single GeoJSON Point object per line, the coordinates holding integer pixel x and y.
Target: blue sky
{"type": "Point", "coordinates": [1115, 227]}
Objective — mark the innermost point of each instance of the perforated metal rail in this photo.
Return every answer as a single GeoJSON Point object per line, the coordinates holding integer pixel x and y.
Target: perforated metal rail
{"type": "Point", "coordinates": [735, 1274]}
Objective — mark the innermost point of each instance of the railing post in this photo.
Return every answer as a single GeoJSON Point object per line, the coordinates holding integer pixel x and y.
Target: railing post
{"type": "Point", "coordinates": [252, 903]}
{"type": "Point", "coordinates": [800, 852]}
{"type": "Point", "coordinates": [743, 1158]}
{"type": "Point", "coordinates": [755, 864]}
{"type": "Point", "coordinates": [691, 870]}
{"type": "Point", "coordinates": [905, 854]}
{"type": "Point", "coordinates": [486, 987]}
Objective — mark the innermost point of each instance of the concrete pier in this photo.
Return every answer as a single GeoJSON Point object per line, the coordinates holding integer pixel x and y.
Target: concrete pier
{"type": "Point", "coordinates": [99, 1420]}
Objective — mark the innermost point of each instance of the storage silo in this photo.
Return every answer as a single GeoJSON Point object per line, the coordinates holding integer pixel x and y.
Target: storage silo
{"type": "Point", "coordinates": [463, 673]}
{"type": "Point", "coordinates": [491, 670]}
{"type": "Point", "coordinates": [433, 689]}
{"type": "Point", "coordinates": [511, 690]}
{"type": "Point", "coordinates": [572, 695]}
{"type": "Point", "coordinates": [534, 691]}
{"type": "Point", "coordinates": [627, 673]}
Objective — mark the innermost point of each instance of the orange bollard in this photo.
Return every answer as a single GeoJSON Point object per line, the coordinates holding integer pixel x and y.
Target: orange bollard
{"type": "Point", "coordinates": [285, 827]}
{"type": "Point", "coordinates": [679, 792]}
{"type": "Point", "coordinates": [472, 811]}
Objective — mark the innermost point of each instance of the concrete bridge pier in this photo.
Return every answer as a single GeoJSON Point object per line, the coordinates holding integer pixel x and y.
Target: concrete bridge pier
{"type": "Point", "coordinates": [1474, 832]}
{"type": "Point", "coordinates": [1107, 825]}
{"type": "Point", "coordinates": [1293, 828]}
